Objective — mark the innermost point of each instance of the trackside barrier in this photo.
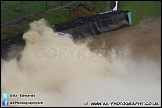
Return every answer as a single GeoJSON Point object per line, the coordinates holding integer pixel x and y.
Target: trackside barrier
{"type": "Point", "coordinates": [82, 27]}
{"type": "Point", "coordinates": [12, 46]}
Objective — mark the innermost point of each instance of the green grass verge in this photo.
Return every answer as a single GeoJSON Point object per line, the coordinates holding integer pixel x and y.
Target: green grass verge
{"type": "Point", "coordinates": [11, 9]}
{"type": "Point", "coordinates": [139, 10]}
{"type": "Point", "coordinates": [142, 9]}
{"type": "Point", "coordinates": [54, 17]}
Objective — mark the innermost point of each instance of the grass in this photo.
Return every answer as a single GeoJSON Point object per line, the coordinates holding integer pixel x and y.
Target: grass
{"type": "Point", "coordinates": [142, 9]}
{"type": "Point", "coordinates": [8, 8]}
{"type": "Point", "coordinates": [139, 10]}
{"type": "Point", "coordinates": [54, 17]}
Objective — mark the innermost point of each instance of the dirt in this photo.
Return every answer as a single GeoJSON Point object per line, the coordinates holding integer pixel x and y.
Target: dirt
{"type": "Point", "coordinates": [143, 40]}
{"type": "Point", "coordinates": [108, 6]}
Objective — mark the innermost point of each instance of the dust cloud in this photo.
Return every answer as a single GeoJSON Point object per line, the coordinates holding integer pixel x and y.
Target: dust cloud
{"type": "Point", "coordinates": [63, 73]}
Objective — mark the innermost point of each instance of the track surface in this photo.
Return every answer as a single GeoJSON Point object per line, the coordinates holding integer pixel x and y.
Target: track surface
{"type": "Point", "coordinates": [143, 40]}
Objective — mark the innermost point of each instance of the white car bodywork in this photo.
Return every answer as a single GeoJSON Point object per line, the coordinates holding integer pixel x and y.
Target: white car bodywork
{"type": "Point", "coordinates": [61, 33]}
